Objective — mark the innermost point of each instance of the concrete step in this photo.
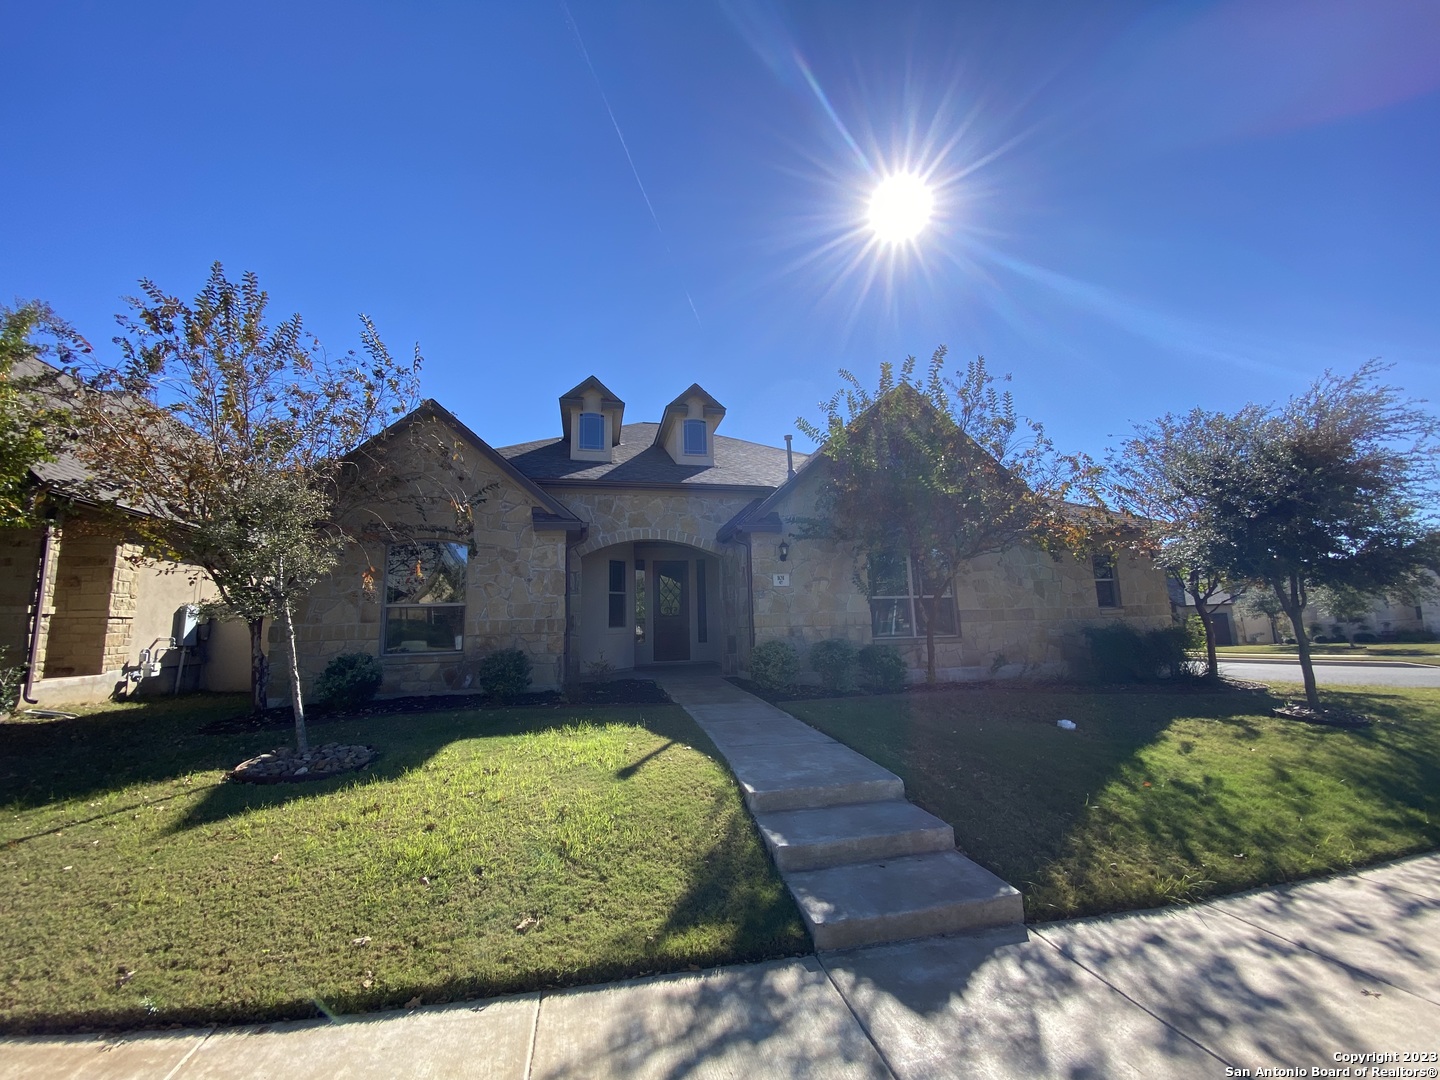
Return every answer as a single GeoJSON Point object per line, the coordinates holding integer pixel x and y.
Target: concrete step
{"type": "Point", "coordinates": [863, 832]}
{"type": "Point", "coordinates": [805, 775]}
{"type": "Point", "coordinates": [896, 899]}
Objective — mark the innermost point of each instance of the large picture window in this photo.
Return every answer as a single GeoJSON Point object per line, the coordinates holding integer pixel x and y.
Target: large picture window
{"type": "Point", "coordinates": [898, 601]}
{"type": "Point", "coordinates": [425, 597]}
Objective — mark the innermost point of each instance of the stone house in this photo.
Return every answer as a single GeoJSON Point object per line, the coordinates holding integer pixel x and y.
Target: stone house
{"type": "Point", "coordinates": [611, 546]}
{"type": "Point", "coordinates": [90, 618]}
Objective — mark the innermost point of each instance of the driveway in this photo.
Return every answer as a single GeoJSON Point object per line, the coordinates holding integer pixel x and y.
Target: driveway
{"type": "Point", "coordinates": [1349, 673]}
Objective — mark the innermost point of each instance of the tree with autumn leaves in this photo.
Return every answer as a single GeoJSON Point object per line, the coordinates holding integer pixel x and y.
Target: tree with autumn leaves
{"type": "Point", "coordinates": [940, 470]}
{"type": "Point", "coordinates": [228, 434]}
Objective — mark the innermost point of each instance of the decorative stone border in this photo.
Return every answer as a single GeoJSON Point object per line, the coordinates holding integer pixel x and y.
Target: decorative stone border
{"type": "Point", "coordinates": [285, 766]}
{"type": "Point", "coordinates": [1330, 717]}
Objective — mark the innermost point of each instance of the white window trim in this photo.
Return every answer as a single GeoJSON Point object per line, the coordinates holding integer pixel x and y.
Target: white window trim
{"type": "Point", "coordinates": [916, 633]}
{"type": "Point", "coordinates": [1110, 563]}
{"type": "Point", "coordinates": [600, 443]}
{"type": "Point", "coordinates": [704, 430]}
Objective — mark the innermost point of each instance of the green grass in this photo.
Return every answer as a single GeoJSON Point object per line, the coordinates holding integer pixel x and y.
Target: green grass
{"type": "Point", "coordinates": [485, 852]}
{"type": "Point", "coordinates": [1156, 798]}
{"type": "Point", "coordinates": [1420, 653]}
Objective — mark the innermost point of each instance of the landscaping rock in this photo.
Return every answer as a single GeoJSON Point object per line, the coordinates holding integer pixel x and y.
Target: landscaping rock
{"type": "Point", "coordinates": [1330, 717]}
{"type": "Point", "coordinates": [285, 765]}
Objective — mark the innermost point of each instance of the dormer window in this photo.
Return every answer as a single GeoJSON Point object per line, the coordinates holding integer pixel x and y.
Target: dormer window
{"type": "Point", "coordinates": [592, 431]}
{"type": "Point", "coordinates": [695, 437]}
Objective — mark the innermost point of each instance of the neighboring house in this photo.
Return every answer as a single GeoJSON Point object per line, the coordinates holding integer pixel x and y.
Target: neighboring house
{"type": "Point", "coordinates": [1232, 625]}
{"type": "Point", "coordinates": [108, 618]}
{"type": "Point", "coordinates": [610, 546]}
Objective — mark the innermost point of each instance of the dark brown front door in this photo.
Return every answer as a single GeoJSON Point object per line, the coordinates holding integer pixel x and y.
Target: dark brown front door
{"type": "Point", "coordinates": [672, 611]}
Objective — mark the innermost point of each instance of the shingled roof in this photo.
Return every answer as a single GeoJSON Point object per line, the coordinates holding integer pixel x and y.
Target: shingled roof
{"type": "Point", "coordinates": [638, 461]}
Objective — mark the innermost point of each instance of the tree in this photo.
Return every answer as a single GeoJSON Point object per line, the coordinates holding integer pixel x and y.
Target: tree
{"type": "Point", "coordinates": [1336, 489]}
{"type": "Point", "coordinates": [1263, 601]}
{"type": "Point", "coordinates": [28, 404]}
{"type": "Point", "coordinates": [938, 471]}
{"type": "Point", "coordinates": [1147, 481]}
{"type": "Point", "coordinates": [229, 434]}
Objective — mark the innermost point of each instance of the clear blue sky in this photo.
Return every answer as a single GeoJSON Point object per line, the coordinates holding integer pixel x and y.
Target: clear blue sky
{"type": "Point", "coordinates": [1141, 207]}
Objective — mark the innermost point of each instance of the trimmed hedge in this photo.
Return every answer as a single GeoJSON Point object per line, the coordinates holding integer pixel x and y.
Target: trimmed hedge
{"type": "Point", "coordinates": [773, 665]}
{"type": "Point", "coordinates": [834, 662]}
{"type": "Point", "coordinates": [504, 674]}
{"type": "Point", "coordinates": [882, 669]}
{"type": "Point", "coordinates": [350, 680]}
{"type": "Point", "coordinates": [1119, 653]}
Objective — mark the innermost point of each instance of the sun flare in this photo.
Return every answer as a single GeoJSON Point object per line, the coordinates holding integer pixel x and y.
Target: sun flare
{"type": "Point", "coordinates": [900, 208]}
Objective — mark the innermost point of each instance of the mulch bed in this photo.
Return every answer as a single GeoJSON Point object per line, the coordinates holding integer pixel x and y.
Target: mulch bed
{"type": "Point", "coordinates": [611, 692]}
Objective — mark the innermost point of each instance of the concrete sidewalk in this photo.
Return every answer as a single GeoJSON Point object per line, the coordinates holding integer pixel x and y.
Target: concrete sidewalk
{"type": "Point", "coordinates": [1282, 977]}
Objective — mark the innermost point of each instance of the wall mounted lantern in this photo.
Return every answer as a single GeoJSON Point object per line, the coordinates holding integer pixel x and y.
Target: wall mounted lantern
{"type": "Point", "coordinates": [784, 550]}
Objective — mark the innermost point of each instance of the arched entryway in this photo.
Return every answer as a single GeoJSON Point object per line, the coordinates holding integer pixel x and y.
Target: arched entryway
{"type": "Point", "coordinates": [648, 602]}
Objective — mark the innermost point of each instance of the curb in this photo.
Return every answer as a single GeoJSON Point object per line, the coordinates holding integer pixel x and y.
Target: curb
{"type": "Point", "coordinates": [1335, 661]}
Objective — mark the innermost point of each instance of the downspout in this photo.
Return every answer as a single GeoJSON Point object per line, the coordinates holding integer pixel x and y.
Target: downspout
{"type": "Point", "coordinates": [38, 611]}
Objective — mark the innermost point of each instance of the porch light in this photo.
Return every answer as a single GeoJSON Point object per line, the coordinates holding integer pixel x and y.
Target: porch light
{"type": "Point", "coordinates": [784, 550]}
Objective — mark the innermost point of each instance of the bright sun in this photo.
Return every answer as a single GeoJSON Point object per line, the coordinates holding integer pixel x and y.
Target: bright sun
{"type": "Point", "coordinates": [900, 208]}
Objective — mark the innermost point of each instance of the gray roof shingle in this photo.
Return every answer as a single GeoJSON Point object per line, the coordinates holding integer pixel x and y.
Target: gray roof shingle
{"type": "Point", "coordinates": [738, 463]}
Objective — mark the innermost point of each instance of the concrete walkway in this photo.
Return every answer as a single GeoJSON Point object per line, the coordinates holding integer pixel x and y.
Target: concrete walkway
{"type": "Point", "coordinates": [865, 867]}
{"type": "Point", "coordinates": [1282, 977]}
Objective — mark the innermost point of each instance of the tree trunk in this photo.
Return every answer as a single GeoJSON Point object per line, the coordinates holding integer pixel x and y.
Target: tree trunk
{"type": "Point", "coordinates": [1207, 622]}
{"type": "Point", "coordinates": [259, 667]}
{"type": "Point", "coordinates": [1292, 600]}
{"type": "Point", "coordinates": [292, 659]}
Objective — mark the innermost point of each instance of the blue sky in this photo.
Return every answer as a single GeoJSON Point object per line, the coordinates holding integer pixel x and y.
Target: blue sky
{"type": "Point", "coordinates": [1141, 208]}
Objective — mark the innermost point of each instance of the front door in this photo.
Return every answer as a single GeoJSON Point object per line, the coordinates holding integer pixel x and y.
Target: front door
{"type": "Point", "coordinates": [671, 618]}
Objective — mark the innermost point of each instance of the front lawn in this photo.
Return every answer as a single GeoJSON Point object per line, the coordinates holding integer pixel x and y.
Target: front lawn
{"type": "Point", "coordinates": [1155, 798]}
{"type": "Point", "coordinates": [485, 852]}
{"type": "Point", "coordinates": [1419, 653]}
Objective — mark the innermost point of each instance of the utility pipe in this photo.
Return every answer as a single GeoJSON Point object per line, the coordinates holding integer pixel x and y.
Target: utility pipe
{"type": "Point", "coordinates": [38, 612]}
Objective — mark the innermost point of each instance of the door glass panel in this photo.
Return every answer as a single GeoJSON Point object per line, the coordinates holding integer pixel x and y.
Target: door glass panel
{"type": "Point", "coordinates": [668, 599]}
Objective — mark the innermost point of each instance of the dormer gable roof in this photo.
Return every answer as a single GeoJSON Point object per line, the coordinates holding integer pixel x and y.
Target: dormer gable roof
{"type": "Point", "coordinates": [575, 399]}
{"type": "Point", "coordinates": [680, 408]}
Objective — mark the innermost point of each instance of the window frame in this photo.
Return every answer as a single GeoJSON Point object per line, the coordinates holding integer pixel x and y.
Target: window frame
{"type": "Point", "coordinates": [387, 606]}
{"type": "Point", "coordinates": [1106, 572]}
{"type": "Point", "coordinates": [703, 429]}
{"type": "Point", "coordinates": [580, 436]}
{"type": "Point", "coordinates": [914, 608]}
{"type": "Point", "coordinates": [618, 570]}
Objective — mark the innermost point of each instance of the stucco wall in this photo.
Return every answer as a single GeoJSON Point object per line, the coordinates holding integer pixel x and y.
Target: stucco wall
{"type": "Point", "coordinates": [1020, 612]}
{"type": "Point", "coordinates": [515, 577]}
{"type": "Point", "coordinates": [643, 519]}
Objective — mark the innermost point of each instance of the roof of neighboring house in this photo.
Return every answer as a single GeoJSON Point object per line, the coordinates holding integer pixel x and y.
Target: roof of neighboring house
{"type": "Point", "coordinates": [639, 461]}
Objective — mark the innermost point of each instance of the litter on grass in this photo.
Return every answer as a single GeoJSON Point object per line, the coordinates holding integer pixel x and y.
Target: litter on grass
{"type": "Point", "coordinates": [1065, 725]}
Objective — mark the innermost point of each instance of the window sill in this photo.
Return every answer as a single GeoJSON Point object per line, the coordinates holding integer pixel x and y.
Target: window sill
{"type": "Point", "coordinates": [878, 640]}
{"type": "Point", "coordinates": [430, 655]}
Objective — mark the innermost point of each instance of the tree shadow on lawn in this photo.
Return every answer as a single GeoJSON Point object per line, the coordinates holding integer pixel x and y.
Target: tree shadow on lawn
{"type": "Point", "coordinates": [1154, 798]}
{"type": "Point", "coordinates": [89, 756]}
{"type": "Point", "coordinates": [410, 742]}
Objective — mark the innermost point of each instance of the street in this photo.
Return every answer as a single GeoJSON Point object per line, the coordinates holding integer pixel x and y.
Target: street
{"type": "Point", "coordinates": [1347, 674]}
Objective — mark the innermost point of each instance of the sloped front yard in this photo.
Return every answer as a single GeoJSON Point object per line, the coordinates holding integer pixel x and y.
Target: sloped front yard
{"type": "Point", "coordinates": [1155, 798]}
{"type": "Point", "coordinates": [485, 852]}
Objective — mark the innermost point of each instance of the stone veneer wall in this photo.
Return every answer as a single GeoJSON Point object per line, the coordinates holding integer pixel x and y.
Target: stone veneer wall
{"type": "Point", "coordinates": [1020, 613]}
{"type": "Point", "coordinates": [91, 603]}
{"type": "Point", "coordinates": [515, 581]}
{"type": "Point", "coordinates": [19, 563]}
{"type": "Point", "coordinates": [620, 516]}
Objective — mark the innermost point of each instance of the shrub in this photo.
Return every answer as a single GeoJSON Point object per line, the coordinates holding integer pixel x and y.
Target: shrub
{"type": "Point", "coordinates": [350, 680]}
{"type": "Point", "coordinates": [1194, 633]}
{"type": "Point", "coordinates": [834, 662]}
{"type": "Point", "coordinates": [1415, 637]}
{"type": "Point", "coordinates": [504, 674]}
{"type": "Point", "coordinates": [1120, 653]}
{"type": "Point", "coordinates": [1365, 637]}
{"type": "Point", "coordinates": [882, 668]}
{"type": "Point", "coordinates": [773, 665]}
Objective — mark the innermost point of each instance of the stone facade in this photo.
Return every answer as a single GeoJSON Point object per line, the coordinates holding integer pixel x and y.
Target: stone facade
{"type": "Point", "coordinates": [1020, 613]}
{"type": "Point", "coordinates": [514, 578]}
